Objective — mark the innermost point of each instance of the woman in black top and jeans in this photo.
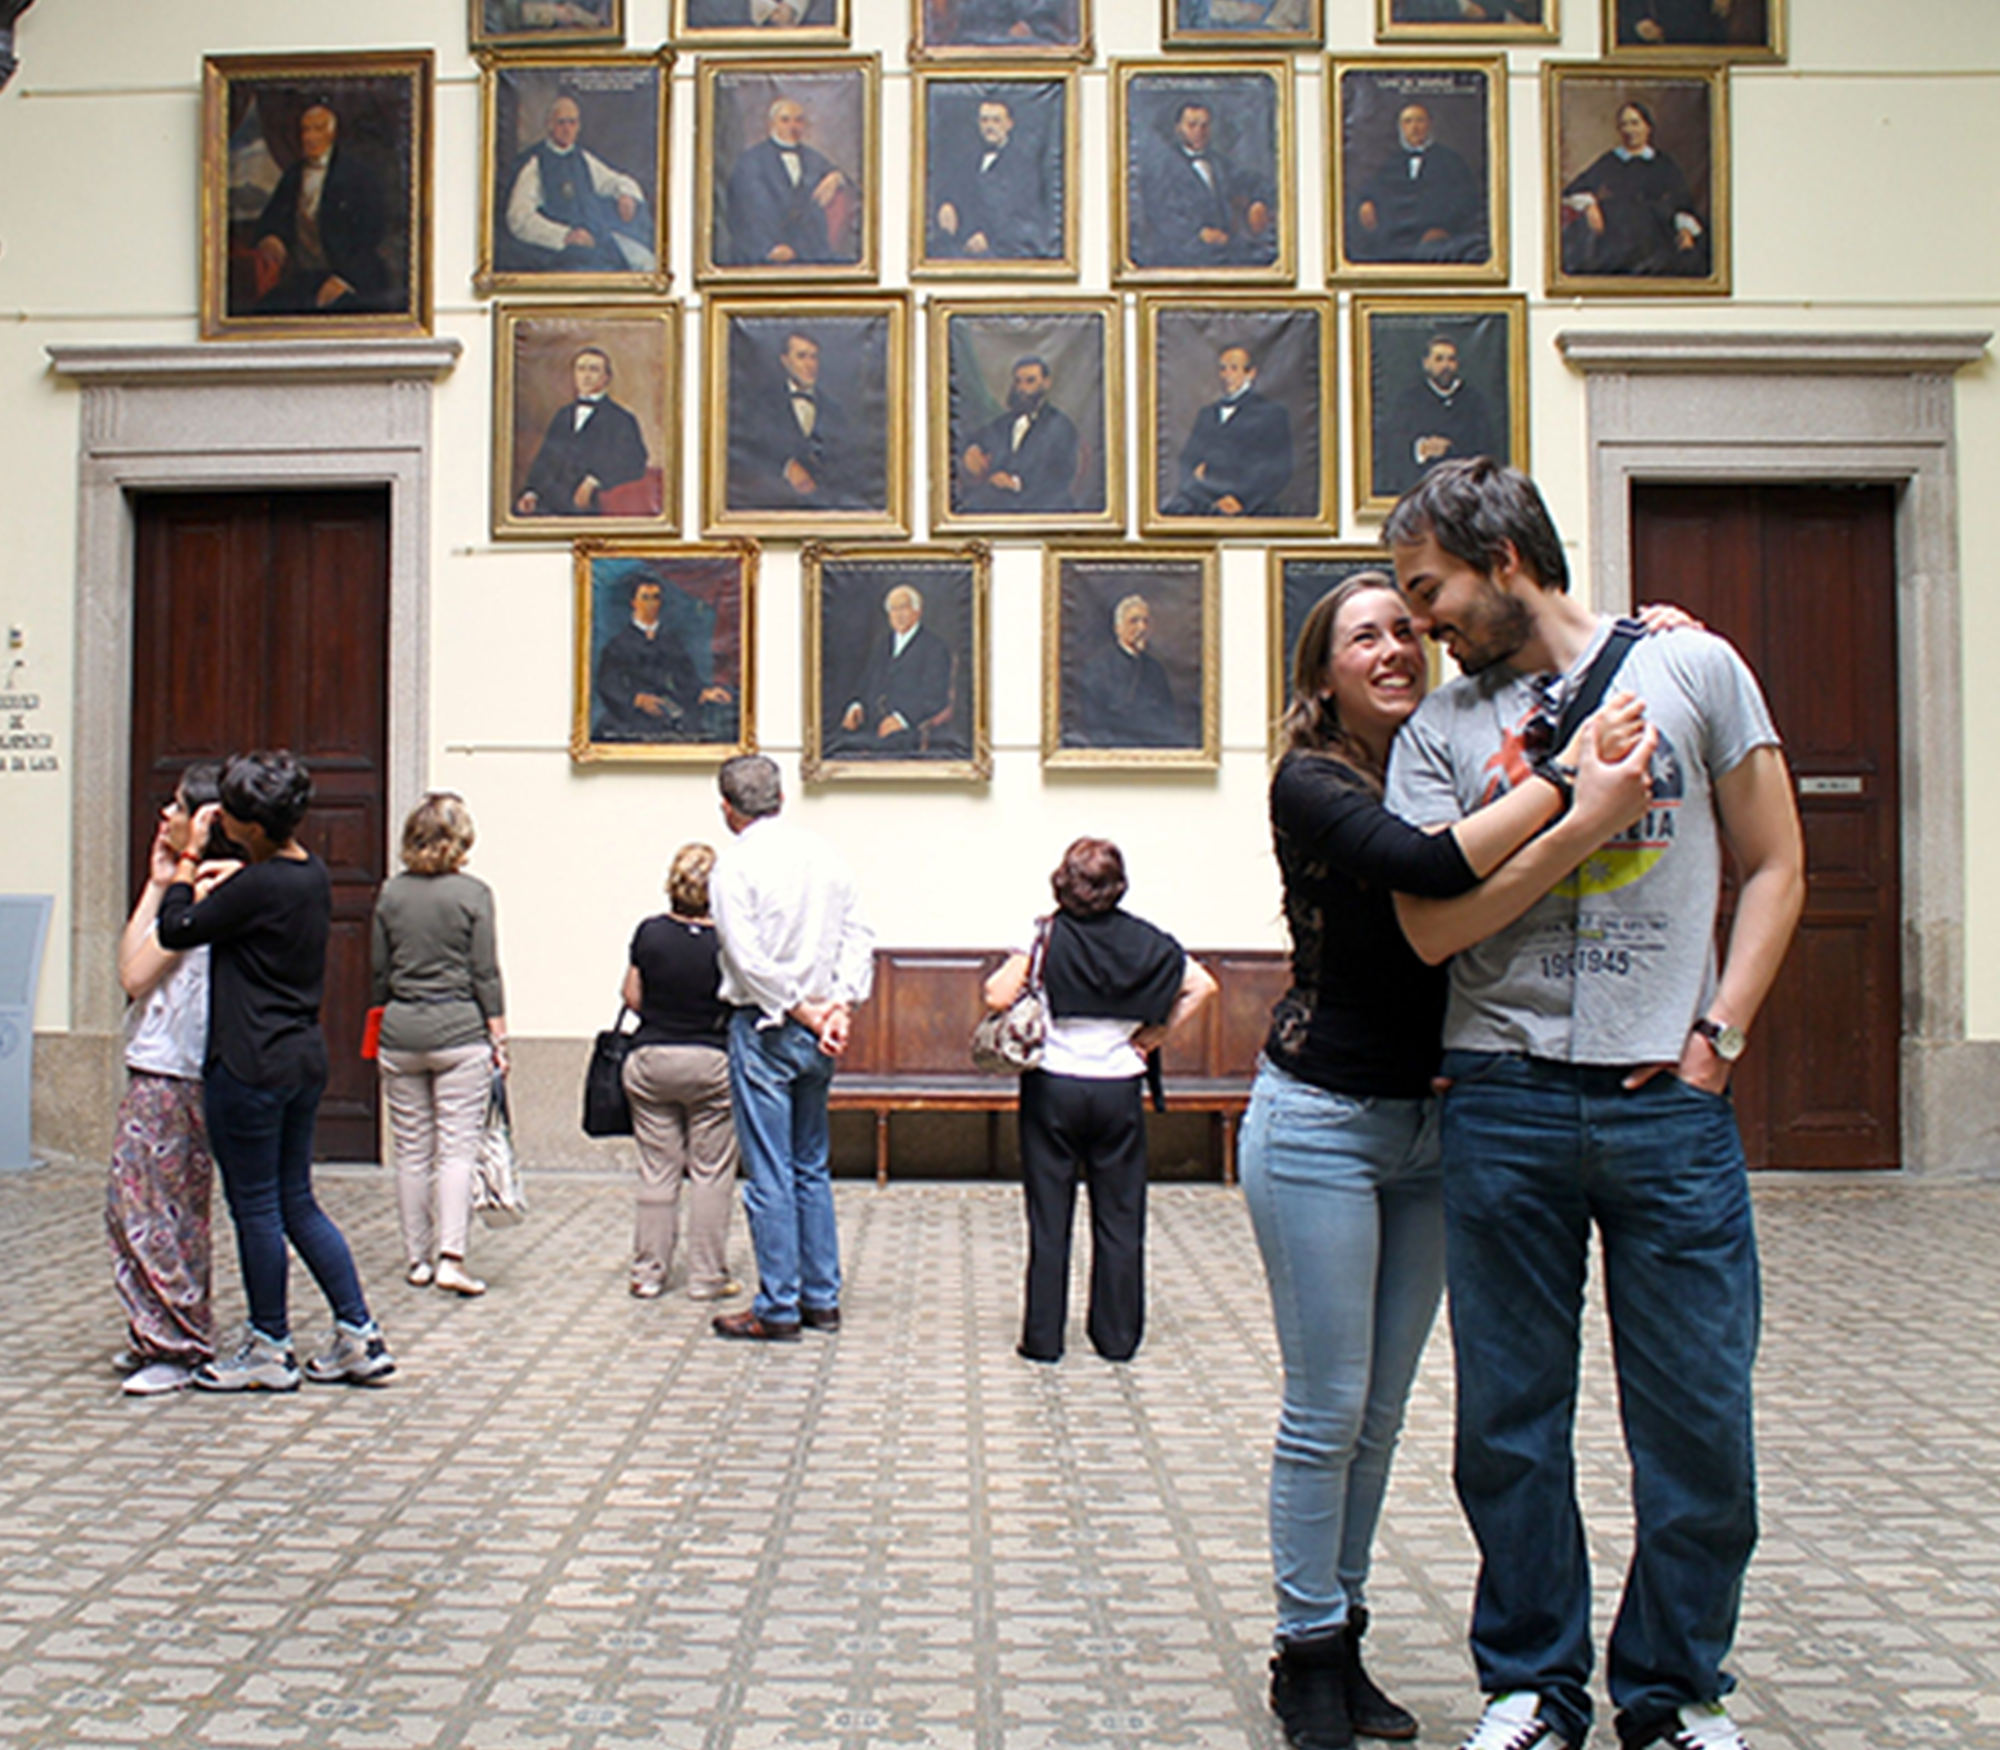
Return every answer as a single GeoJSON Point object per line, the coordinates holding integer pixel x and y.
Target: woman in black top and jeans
{"type": "Point", "coordinates": [1339, 1146]}
{"type": "Point", "coordinates": [677, 1078]}
{"type": "Point", "coordinates": [267, 926]}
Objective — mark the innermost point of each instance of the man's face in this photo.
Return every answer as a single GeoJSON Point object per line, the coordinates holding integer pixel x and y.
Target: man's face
{"type": "Point", "coordinates": [788, 122]}
{"type": "Point", "coordinates": [316, 130]}
{"type": "Point", "coordinates": [646, 604]}
{"type": "Point", "coordinates": [801, 360]}
{"type": "Point", "coordinates": [1441, 364]}
{"type": "Point", "coordinates": [901, 607]}
{"type": "Point", "coordinates": [565, 123]}
{"type": "Point", "coordinates": [1031, 387]}
{"type": "Point", "coordinates": [995, 124]}
{"type": "Point", "coordinates": [1415, 123]}
{"type": "Point", "coordinates": [591, 373]}
{"type": "Point", "coordinates": [1135, 625]}
{"type": "Point", "coordinates": [1460, 607]}
{"type": "Point", "coordinates": [1192, 129]}
{"type": "Point", "coordinates": [1235, 370]}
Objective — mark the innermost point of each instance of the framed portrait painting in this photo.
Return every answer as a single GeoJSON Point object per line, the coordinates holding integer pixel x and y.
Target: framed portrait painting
{"type": "Point", "coordinates": [1202, 172]}
{"type": "Point", "coordinates": [1251, 24]}
{"type": "Point", "coordinates": [1236, 420]}
{"type": "Point", "coordinates": [665, 651]}
{"type": "Point", "coordinates": [1297, 578]}
{"type": "Point", "coordinates": [996, 164]}
{"type": "Point", "coordinates": [546, 24]}
{"type": "Point", "coordinates": [787, 177]}
{"type": "Point", "coordinates": [1027, 415]}
{"type": "Point", "coordinates": [1695, 30]}
{"type": "Point", "coordinates": [1436, 380]}
{"type": "Point", "coordinates": [572, 173]}
{"type": "Point", "coordinates": [1046, 30]}
{"type": "Point", "coordinates": [1467, 21]}
{"type": "Point", "coordinates": [315, 195]}
{"type": "Point", "coordinates": [806, 416]}
{"type": "Point", "coordinates": [896, 662]}
{"type": "Point", "coordinates": [1419, 183]}
{"type": "Point", "coordinates": [1637, 166]}
{"type": "Point", "coordinates": [760, 24]}
{"type": "Point", "coordinates": [586, 405]}
{"type": "Point", "coordinates": [1131, 657]}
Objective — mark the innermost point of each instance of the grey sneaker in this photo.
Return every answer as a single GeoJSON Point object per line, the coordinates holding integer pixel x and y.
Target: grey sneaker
{"type": "Point", "coordinates": [258, 1364]}
{"type": "Point", "coordinates": [354, 1357]}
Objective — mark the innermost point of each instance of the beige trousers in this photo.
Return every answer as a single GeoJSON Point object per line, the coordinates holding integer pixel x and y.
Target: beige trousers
{"type": "Point", "coordinates": [437, 1102]}
{"type": "Point", "coordinates": [681, 1122]}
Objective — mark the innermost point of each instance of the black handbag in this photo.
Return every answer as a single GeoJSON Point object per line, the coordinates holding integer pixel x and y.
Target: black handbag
{"type": "Point", "coordinates": [606, 1111]}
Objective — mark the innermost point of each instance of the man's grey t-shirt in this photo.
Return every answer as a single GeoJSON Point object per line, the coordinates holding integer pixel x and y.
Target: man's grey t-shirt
{"type": "Point", "coordinates": [1616, 963]}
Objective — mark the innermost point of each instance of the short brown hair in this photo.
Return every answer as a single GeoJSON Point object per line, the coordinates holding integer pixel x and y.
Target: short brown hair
{"type": "Point", "coordinates": [1090, 879]}
{"type": "Point", "coordinates": [438, 836]}
{"type": "Point", "coordinates": [687, 879]}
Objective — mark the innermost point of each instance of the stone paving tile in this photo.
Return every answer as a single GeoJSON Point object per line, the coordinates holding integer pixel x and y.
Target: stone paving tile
{"type": "Point", "coordinates": [578, 1522]}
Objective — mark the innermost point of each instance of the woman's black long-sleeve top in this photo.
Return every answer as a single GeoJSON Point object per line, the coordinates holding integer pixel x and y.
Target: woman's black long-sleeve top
{"type": "Point", "coordinates": [1364, 1015]}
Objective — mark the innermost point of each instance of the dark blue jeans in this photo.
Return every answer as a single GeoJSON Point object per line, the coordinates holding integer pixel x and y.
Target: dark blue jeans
{"type": "Point", "coordinates": [1535, 1153]}
{"type": "Point", "coordinates": [262, 1139]}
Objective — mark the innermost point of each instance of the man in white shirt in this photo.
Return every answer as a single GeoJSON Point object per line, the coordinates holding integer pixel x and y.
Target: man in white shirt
{"type": "Point", "coordinates": [796, 959]}
{"type": "Point", "coordinates": [570, 212]}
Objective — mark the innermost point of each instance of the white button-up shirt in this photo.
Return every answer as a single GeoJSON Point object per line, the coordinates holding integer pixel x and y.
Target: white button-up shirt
{"type": "Point", "coordinates": [788, 921]}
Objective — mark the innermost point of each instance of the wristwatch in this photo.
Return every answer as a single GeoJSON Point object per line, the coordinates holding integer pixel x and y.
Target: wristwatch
{"type": "Point", "coordinates": [1730, 1042]}
{"type": "Point", "coordinates": [1559, 776]}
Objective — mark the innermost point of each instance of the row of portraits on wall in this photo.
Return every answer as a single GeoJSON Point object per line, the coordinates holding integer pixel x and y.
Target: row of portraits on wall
{"type": "Point", "coordinates": [897, 675]}
{"type": "Point", "coordinates": [316, 213]}
{"type": "Point", "coordinates": [1061, 29]}
{"type": "Point", "coordinates": [807, 413]}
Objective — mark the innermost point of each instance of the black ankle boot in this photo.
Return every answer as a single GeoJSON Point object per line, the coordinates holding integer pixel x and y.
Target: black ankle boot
{"type": "Point", "coordinates": [1371, 1713]}
{"type": "Point", "coordinates": [1310, 1680]}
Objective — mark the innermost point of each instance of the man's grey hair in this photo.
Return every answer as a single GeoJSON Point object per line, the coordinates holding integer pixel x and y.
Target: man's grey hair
{"type": "Point", "coordinates": [752, 785]}
{"type": "Point", "coordinates": [909, 589]}
{"type": "Point", "coordinates": [1132, 600]}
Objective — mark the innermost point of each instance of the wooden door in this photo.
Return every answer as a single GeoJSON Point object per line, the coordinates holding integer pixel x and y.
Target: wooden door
{"type": "Point", "coordinates": [260, 619]}
{"type": "Point", "coordinates": [1802, 580]}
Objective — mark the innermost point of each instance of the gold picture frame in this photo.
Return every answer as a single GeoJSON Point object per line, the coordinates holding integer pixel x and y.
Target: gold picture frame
{"type": "Point", "coordinates": [1236, 222]}
{"type": "Point", "coordinates": [356, 126]}
{"type": "Point", "coordinates": [670, 680]}
{"type": "Point", "coordinates": [754, 221]}
{"type": "Point", "coordinates": [1300, 24]}
{"type": "Point", "coordinates": [763, 473]}
{"type": "Point", "coordinates": [896, 662]}
{"type": "Point", "coordinates": [1064, 471]}
{"type": "Point", "coordinates": [559, 473]}
{"type": "Point", "coordinates": [1014, 30]}
{"type": "Point", "coordinates": [1618, 224]}
{"type": "Point", "coordinates": [1450, 21]}
{"type": "Point", "coordinates": [544, 24]}
{"type": "Point", "coordinates": [610, 115]}
{"type": "Point", "coordinates": [1694, 30]}
{"type": "Point", "coordinates": [978, 211]}
{"type": "Point", "coordinates": [1446, 224]}
{"type": "Point", "coordinates": [1414, 407]}
{"type": "Point", "coordinates": [1108, 704]}
{"type": "Point", "coordinates": [1237, 427]}
{"type": "Point", "coordinates": [729, 24]}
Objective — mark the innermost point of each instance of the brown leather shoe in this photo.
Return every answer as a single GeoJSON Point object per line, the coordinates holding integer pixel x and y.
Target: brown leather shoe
{"type": "Point", "coordinates": [747, 1327]}
{"type": "Point", "coordinates": [820, 1318]}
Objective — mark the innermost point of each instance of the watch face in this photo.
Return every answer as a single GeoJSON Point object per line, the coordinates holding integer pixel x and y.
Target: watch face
{"type": "Point", "coordinates": [1730, 1042]}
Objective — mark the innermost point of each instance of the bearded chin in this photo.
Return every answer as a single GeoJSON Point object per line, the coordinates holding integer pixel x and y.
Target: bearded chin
{"type": "Point", "coordinates": [1508, 628]}
{"type": "Point", "coordinates": [1017, 402]}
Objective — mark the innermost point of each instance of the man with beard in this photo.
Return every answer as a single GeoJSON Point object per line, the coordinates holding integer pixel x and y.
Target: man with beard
{"type": "Point", "coordinates": [995, 205]}
{"type": "Point", "coordinates": [646, 687]}
{"type": "Point", "coordinates": [1123, 698]}
{"type": "Point", "coordinates": [569, 212]}
{"type": "Point", "coordinates": [1439, 418]}
{"type": "Point", "coordinates": [1024, 459]}
{"type": "Point", "coordinates": [906, 683]}
{"type": "Point", "coordinates": [1422, 204]}
{"type": "Point", "coordinates": [787, 201]}
{"type": "Point", "coordinates": [591, 443]}
{"type": "Point", "coordinates": [1195, 208]}
{"type": "Point", "coordinates": [1237, 460]}
{"type": "Point", "coordinates": [1589, 1041]}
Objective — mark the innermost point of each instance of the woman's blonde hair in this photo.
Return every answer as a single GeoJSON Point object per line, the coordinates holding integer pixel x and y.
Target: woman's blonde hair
{"type": "Point", "coordinates": [687, 879]}
{"type": "Point", "coordinates": [438, 836]}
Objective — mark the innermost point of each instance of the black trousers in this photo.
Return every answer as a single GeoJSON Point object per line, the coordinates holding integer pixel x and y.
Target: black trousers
{"type": "Point", "coordinates": [1075, 1129]}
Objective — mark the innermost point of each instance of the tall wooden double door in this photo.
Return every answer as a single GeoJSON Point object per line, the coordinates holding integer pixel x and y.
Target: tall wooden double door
{"type": "Point", "coordinates": [260, 619]}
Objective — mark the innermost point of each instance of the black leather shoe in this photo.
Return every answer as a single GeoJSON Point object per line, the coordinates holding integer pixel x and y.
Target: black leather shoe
{"type": "Point", "coordinates": [747, 1327]}
{"type": "Point", "coordinates": [820, 1318]}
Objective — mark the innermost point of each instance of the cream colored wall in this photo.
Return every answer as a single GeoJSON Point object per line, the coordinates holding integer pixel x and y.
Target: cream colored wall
{"type": "Point", "coordinates": [1862, 201]}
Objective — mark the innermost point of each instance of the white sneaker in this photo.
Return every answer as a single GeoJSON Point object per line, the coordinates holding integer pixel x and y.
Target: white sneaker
{"type": "Point", "coordinates": [259, 1363]}
{"type": "Point", "coordinates": [156, 1377]}
{"type": "Point", "coordinates": [354, 1356]}
{"type": "Point", "coordinates": [1513, 1722]}
{"type": "Point", "coordinates": [1704, 1726]}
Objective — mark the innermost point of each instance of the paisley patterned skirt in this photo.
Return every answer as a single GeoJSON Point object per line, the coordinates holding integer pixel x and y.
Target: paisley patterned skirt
{"type": "Point", "coordinates": [156, 1207]}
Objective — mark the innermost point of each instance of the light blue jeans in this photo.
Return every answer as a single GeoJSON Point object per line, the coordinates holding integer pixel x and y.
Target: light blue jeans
{"type": "Point", "coordinates": [778, 1083]}
{"type": "Point", "coordinates": [1347, 1202]}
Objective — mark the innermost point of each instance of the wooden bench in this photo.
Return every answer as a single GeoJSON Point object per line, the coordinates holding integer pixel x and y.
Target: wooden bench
{"type": "Point", "coordinates": [909, 1049]}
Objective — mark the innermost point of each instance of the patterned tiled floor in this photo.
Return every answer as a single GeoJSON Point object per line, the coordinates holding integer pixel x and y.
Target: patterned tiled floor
{"type": "Point", "coordinates": [577, 1521]}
